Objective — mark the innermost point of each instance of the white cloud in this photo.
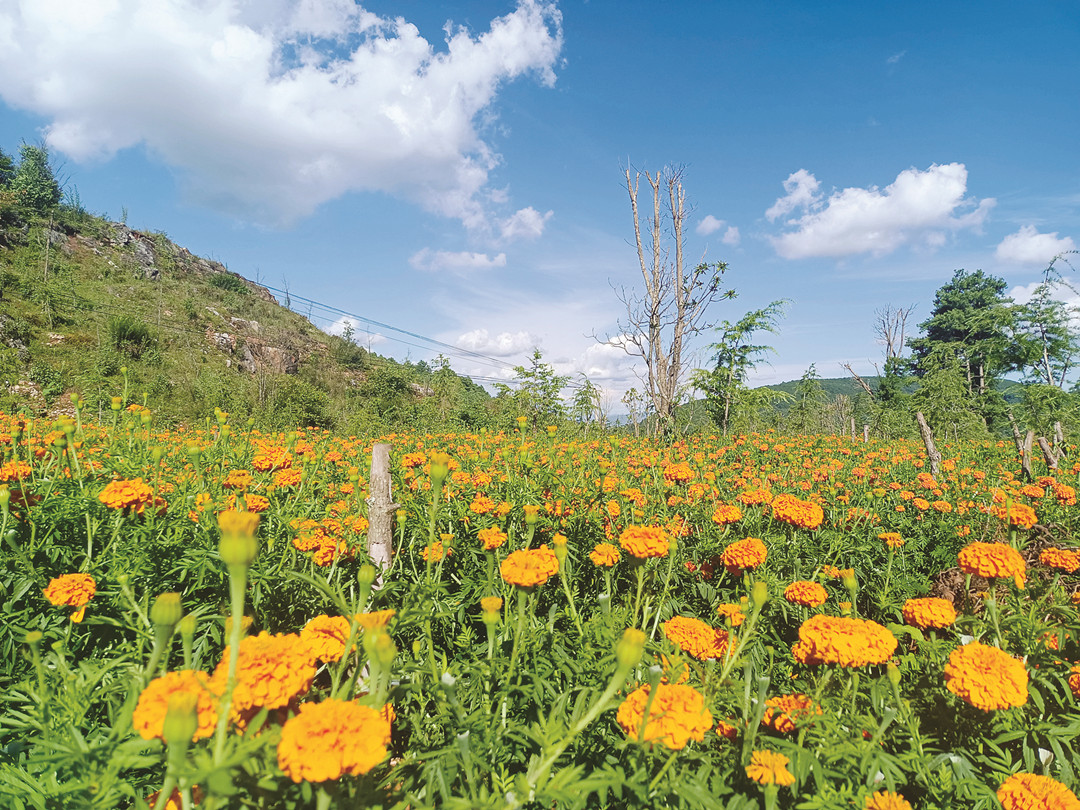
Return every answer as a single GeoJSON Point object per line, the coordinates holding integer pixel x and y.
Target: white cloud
{"type": "Point", "coordinates": [269, 108]}
{"type": "Point", "coordinates": [456, 262]}
{"type": "Point", "coordinates": [709, 225]}
{"type": "Point", "coordinates": [802, 191]}
{"type": "Point", "coordinates": [918, 208]}
{"type": "Point", "coordinates": [896, 57]}
{"type": "Point", "coordinates": [731, 236]}
{"type": "Point", "coordinates": [1028, 246]}
{"type": "Point", "coordinates": [503, 344]}
{"type": "Point", "coordinates": [528, 223]}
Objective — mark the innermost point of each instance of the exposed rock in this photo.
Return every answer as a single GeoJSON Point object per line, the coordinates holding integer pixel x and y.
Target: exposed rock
{"type": "Point", "coordinates": [222, 340]}
{"type": "Point", "coordinates": [250, 326]}
{"type": "Point", "coordinates": [268, 358]}
{"type": "Point", "coordinates": [421, 390]}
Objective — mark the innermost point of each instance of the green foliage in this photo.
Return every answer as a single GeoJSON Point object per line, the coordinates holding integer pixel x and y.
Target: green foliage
{"type": "Point", "coordinates": [538, 395]}
{"type": "Point", "coordinates": [34, 185]}
{"type": "Point", "coordinates": [735, 356]}
{"type": "Point", "coordinates": [945, 399]}
{"type": "Point", "coordinates": [7, 168]}
{"type": "Point", "coordinates": [807, 411]}
{"type": "Point", "coordinates": [129, 335]}
{"type": "Point", "coordinates": [298, 403]}
{"type": "Point", "coordinates": [229, 283]}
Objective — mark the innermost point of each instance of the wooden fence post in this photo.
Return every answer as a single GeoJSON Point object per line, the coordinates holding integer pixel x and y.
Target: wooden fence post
{"type": "Point", "coordinates": [928, 440]}
{"type": "Point", "coordinates": [381, 508]}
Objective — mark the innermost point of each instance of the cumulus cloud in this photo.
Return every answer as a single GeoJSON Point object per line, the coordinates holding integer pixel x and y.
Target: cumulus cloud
{"type": "Point", "coordinates": [460, 262]}
{"type": "Point", "coordinates": [528, 223]}
{"type": "Point", "coordinates": [731, 236]}
{"type": "Point", "coordinates": [1028, 246]}
{"type": "Point", "coordinates": [709, 225]}
{"type": "Point", "coordinates": [268, 108]}
{"type": "Point", "coordinates": [919, 208]}
{"type": "Point", "coordinates": [504, 344]}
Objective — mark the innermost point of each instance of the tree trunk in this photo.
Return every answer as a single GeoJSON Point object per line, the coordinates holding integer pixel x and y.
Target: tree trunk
{"type": "Point", "coordinates": [381, 508]}
{"type": "Point", "coordinates": [1048, 453]}
{"type": "Point", "coordinates": [928, 440]}
{"type": "Point", "coordinates": [1025, 455]}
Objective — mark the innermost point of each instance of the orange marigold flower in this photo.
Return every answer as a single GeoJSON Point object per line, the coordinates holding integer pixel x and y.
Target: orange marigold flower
{"type": "Point", "coordinates": [1074, 681]}
{"type": "Point", "coordinates": [991, 560]}
{"type": "Point", "coordinates": [677, 715]}
{"type": "Point", "coordinates": [492, 538]}
{"type": "Point", "coordinates": [892, 539]}
{"type": "Point", "coordinates": [678, 473]}
{"type": "Point", "coordinates": [15, 471]}
{"type": "Point", "coordinates": [806, 593]}
{"type": "Point", "coordinates": [604, 555]}
{"type": "Point", "coordinates": [529, 566]}
{"type": "Point", "coordinates": [744, 555]}
{"type": "Point", "coordinates": [376, 620]}
{"type": "Point", "coordinates": [845, 641]}
{"type": "Point", "coordinates": [886, 800]}
{"type": "Point", "coordinates": [695, 637]}
{"type": "Point", "coordinates": [1029, 791]}
{"type": "Point", "coordinates": [769, 768]}
{"type": "Point", "coordinates": [986, 677]}
{"type": "Point", "coordinates": [1019, 514]}
{"type": "Point", "coordinates": [149, 715]}
{"type": "Point", "coordinates": [725, 514]}
{"type": "Point", "coordinates": [271, 671]}
{"type": "Point", "coordinates": [784, 712]}
{"type": "Point", "coordinates": [1066, 559]}
{"type": "Point", "coordinates": [434, 552]}
{"type": "Point", "coordinates": [733, 613]}
{"type": "Point", "coordinates": [175, 800]}
{"type": "Point", "coordinates": [237, 479]}
{"type": "Point", "coordinates": [727, 730]}
{"type": "Point", "coordinates": [330, 739]}
{"type": "Point", "coordinates": [481, 504]}
{"type": "Point", "coordinates": [124, 494]}
{"type": "Point", "coordinates": [797, 512]}
{"type": "Point", "coordinates": [73, 590]}
{"type": "Point", "coordinates": [325, 637]}
{"type": "Point", "coordinates": [289, 477]}
{"type": "Point", "coordinates": [645, 541]}
{"type": "Point", "coordinates": [754, 497]}
{"type": "Point", "coordinates": [929, 613]}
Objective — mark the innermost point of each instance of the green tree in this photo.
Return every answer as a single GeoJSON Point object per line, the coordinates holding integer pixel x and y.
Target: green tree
{"type": "Point", "coordinates": [538, 392]}
{"type": "Point", "coordinates": [807, 412]}
{"type": "Point", "coordinates": [585, 407]}
{"type": "Point", "coordinates": [34, 183]}
{"type": "Point", "coordinates": [944, 397]}
{"type": "Point", "coordinates": [1045, 340]}
{"type": "Point", "coordinates": [970, 320]}
{"type": "Point", "coordinates": [735, 356]}
{"type": "Point", "coordinates": [7, 168]}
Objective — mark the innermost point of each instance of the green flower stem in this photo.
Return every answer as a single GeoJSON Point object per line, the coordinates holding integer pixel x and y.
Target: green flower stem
{"type": "Point", "coordinates": [521, 599]}
{"type": "Point", "coordinates": [639, 571]}
{"type": "Point", "coordinates": [564, 578]}
{"type": "Point", "coordinates": [663, 593]}
{"type": "Point", "coordinates": [237, 589]}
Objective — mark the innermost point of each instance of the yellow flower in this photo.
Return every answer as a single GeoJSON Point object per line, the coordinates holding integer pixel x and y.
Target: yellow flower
{"type": "Point", "coordinates": [1029, 791]}
{"type": "Point", "coordinates": [694, 637]}
{"type": "Point", "coordinates": [328, 740]}
{"type": "Point", "coordinates": [528, 567]}
{"type": "Point", "coordinates": [929, 612]}
{"type": "Point", "coordinates": [806, 593]}
{"type": "Point", "coordinates": [845, 641]}
{"type": "Point", "coordinates": [743, 555]}
{"type": "Point", "coordinates": [644, 541]}
{"type": "Point", "coordinates": [677, 715]}
{"type": "Point", "coordinates": [886, 800]}
{"type": "Point", "coordinates": [769, 768]}
{"type": "Point", "coordinates": [986, 677]}
{"type": "Point", "coordinates": [149, 716]}
{"type": "Point", "coordinates": [73, 590]}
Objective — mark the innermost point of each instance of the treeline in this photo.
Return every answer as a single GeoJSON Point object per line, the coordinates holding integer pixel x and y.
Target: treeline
{"type": "Point", "coordinates": [981, 366]}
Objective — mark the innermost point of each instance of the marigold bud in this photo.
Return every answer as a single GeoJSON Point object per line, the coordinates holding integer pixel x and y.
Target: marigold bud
{"type": "Point", "coordinates": [380, 647]}
{"type": "Point", "coordinates": [630, 648]}
{"type": "Point", "coordinates": [186, 625]}
{"type": "Point", "coordinates": [531, 513]}
{"type": "Point", "coordinates": [181, 718]}
{"type": "Point", "coordinates": [166, 610]}
{"type": "Point", "coordinates": [366, 575]}
{"type": "Point", "coordinates": [760, 594]}
{"type": "Point", "coordinates": [893, 673]}
{"type": "Point", "coordinates": [440, 467]}
{"type": "Point", "coordinates": [117, 403]}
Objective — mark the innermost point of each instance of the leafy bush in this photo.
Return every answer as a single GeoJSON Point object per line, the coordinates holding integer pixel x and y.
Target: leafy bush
{"type": "Point", "coordinates": [130, 335]}
{"type": "Point", "coordinates": [229, 283]}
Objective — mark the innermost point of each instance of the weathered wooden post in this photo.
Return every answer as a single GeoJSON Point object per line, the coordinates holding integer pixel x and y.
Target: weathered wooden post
{"type": "Point", "coordinates": [928, 440]}
{"type": "Point", "coordinates": [381, 508]}
{"type": "Point", "coordinates": [1025, 455]}
{"type": "Point", "coordinates": [1048, 453]}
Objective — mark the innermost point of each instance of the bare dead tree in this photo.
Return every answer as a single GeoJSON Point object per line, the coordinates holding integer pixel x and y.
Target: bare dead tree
{"type": "Point", "coordinates": [672, 308]}
{"type": "Point", "coordinates": [890, 327]}
{"type": "Point", "coordinates": [863, 384]}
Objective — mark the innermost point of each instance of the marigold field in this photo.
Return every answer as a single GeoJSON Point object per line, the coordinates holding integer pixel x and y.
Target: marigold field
{"type": "Point", "coordinates": [192, 619]}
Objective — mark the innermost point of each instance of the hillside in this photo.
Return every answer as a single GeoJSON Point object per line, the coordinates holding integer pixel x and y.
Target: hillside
{"type": "Point", "coordinates": [96, 308]}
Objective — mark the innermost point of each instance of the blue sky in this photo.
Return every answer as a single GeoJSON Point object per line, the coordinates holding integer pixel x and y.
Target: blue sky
{"type": "Point", "coordinates": [455, 170]}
